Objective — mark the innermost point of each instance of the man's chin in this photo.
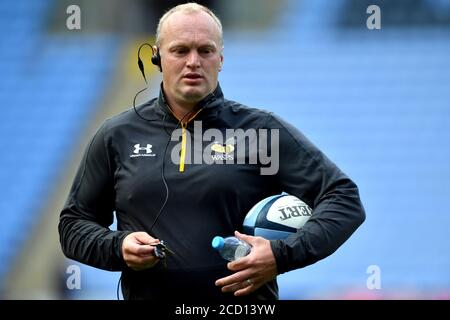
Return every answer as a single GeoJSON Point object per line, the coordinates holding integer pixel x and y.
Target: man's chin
{"type": "Point", "coordinates": [194, 96]}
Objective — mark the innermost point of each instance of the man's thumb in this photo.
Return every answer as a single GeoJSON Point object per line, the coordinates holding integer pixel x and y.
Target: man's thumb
{"type": "Point", "coordinates": [144, 238]}
{"type": "Point", "coordinates": [246, 238]}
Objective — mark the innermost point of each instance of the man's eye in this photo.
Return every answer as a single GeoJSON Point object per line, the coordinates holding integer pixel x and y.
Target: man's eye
{"type": "Point", "coordinates": [179, 51]}
{"type": "Point", "coordinates": [206, 51]}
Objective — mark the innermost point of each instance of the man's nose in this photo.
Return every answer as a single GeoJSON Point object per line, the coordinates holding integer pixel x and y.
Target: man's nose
{"type": "Point", "coordinates": [193, 59]}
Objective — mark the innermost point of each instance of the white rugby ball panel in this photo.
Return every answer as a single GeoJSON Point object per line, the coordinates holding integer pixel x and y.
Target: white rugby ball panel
{"type": "Point", "coordinates": [289, 211]}
{"type": "Point", "coordinates": [276, 217]}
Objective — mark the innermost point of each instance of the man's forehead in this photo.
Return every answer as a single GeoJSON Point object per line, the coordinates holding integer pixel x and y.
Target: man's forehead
{"type": "Point", "coordinates": [195, 17]}
{"type": "Point", "coordinates": [181, 26]}
{"type": "Point", "coordinates": [180, 41]}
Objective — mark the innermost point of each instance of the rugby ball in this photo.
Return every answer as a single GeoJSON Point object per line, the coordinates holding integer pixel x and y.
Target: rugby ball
{"type": "Point", "coordinates": [276, 217]}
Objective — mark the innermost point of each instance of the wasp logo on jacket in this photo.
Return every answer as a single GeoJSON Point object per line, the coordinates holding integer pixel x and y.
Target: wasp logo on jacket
{"type": "Point", "coordinates": [145, 151]}
{"type": "Point", "coordinates": [223, 151]}
{"type": "Point", "coordinates": [227, 146]}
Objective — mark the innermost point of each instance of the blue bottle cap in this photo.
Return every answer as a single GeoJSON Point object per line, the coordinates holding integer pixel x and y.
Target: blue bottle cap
{"type": "Point", "coordinates": [217, 242]}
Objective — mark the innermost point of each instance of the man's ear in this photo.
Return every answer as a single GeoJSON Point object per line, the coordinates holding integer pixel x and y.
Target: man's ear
{"type": "Point", "coordinates": [221, 62]}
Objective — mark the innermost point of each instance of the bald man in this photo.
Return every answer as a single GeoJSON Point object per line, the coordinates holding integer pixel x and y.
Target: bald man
{"type": "Point", "coordinates": [170, 171]}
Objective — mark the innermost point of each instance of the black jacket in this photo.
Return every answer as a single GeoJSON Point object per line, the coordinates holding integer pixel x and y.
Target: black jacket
{"type": "Point", "coordinates": [122, 171]}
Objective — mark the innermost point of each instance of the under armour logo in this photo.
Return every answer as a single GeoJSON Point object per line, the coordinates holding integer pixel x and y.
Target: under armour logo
{"type": "Point", "coordinates": [138, 148]}
{"type": "Point", "coordinates": [142, 151]}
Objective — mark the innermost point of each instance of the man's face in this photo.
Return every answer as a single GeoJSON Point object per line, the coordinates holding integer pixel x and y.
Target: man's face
{"type": "Point", "coordinates": [191, 56]}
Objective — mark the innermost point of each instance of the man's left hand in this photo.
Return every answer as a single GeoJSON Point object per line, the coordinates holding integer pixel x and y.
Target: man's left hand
{"type": "Point", "coordinates": [251, 271]}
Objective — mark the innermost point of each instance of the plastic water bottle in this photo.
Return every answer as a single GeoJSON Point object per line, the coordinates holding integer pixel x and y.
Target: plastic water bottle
{"type": "Point", "coordinates": [231, 248]}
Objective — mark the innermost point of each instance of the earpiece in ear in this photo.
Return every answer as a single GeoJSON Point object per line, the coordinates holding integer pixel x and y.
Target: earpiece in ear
{"type": "Point", "coordinates": [156, 59]}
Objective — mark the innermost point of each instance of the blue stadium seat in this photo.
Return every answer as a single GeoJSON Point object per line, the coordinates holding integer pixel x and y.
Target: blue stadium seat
{"type": "Point", "coordinates": [378, 107]}
{"type": "Point", "coordinates": [42, 112]}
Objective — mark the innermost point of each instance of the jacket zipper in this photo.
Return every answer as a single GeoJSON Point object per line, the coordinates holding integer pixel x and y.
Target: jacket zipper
{"type": "Point", "coordinates": [183, 140]}
{"type": "Point", "coordinates": [183, 133]}
{"type": "Point", "coordinates": [183, 146]}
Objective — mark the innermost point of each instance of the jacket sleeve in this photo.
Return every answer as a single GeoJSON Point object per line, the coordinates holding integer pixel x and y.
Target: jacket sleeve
{"type": "Point", "coordinates": [305, 172]}
{"type": "Point", "coordinates": [88, 212]}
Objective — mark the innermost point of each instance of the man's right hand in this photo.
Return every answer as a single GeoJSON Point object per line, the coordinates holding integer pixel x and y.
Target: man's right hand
{"type": "Point", "coordinates": [137, 251]}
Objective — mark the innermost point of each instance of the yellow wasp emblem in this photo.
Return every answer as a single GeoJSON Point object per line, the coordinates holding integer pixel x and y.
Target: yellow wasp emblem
{"type": "Point", "coordinates": [227, 147]}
